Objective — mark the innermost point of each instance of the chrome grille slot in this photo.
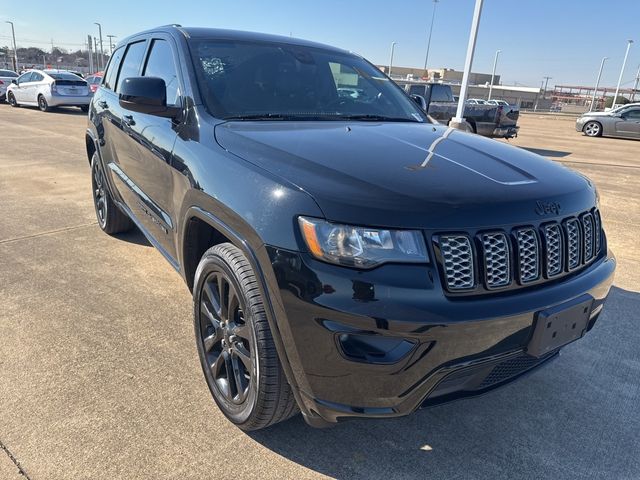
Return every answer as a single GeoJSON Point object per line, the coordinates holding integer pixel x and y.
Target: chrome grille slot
{"type": "Point", "coordinates": [457, 259]}
{"type": "Point", "coordinates": [573, 243]}
{"type": "Point", "coordinates": [528, 254]}
{"type": "Point", "coordinates": [598, 231]}
{"type": "Point", "coordinates": [496, 259]}
{"type": "Point", "coordinates": [587, 228]}
{"type": "Point", "coordinates": [553, 240]}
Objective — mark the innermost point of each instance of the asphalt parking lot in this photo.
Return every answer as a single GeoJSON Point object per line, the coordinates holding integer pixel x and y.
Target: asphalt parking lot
{"type": "Point", "coordinates": [100, 379]}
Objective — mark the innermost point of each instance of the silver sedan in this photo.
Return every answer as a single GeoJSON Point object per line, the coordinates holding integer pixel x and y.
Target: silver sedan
{"type": "Point", "coordinates": [620, 122]}
{"type": "Point", "coordinates": [49, 88]}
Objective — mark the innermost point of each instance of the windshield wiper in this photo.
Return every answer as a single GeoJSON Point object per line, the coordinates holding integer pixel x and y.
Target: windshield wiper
{"type": "Point", "coordinates": [377, 118]}
{"type": "Point", "coordinates": [264, 116]}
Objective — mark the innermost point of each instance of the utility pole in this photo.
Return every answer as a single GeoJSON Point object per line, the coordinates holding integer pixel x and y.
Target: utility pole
{"type": "Point", "coordinates": [393, 47]}
{"type": "Point", "coordinates": [493, 74]}
{"type": "Point", "coordinates": [111, 44]}
{"type": "Point", "coordinates": [95, 49]}
{"type": "Point", "coordinates": [535, 107]}
{"type": "Point", "coordinates": [624, 64]}
{"type": "Point", "coordinates": [635, 85]}
{"type": "Point", "coordinates": [15, 49]}
{"type": "Point", "coordinates": [91, 70]}
{"type": "Point", "coordinates": [458, 121]}
{"type": "Point", "coordinates": [595, 90]}
{"type": "Point", "coordinates": [101, 48]}
{"type": "Point", "coordinates": [546, 82]}
{"type": "Point", "coordinates": [433, 16]}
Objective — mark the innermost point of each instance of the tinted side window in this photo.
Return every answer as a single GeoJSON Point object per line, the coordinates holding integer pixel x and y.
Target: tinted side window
{"type": "Point", "coordinates": [441, 93]}
{"type": "Point", "coordinates": [634, 114]}
{"type": "Point", "coordinates": [25, 77]}
{"type": "Point", "coordinates": [132, 62]}
{"type": "Point", "coordinates": [112, 69]}
{"type": "Point", "coordinates": [416, 90]}
{"type": "Point", "coordinates": [36, 77]}
{"type": "Point", "coordinates": [160, 64]}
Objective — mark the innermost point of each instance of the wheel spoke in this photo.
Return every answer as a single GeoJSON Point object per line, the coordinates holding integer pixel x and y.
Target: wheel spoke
{"type": "Point", "coordinates": [245, 357]}
{"type": "Point", "coordinates": [210, 340]}
{"type": "Point", "coordinates": [242, 331]}
{"type": "Point", "coordinates": [238, 377]}
{"type": "Point", "coordinates": [214, 301]}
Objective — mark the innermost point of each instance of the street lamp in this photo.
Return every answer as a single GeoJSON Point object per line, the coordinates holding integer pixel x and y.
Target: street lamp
{"type": "Point", "coordinates": [15, 49]}
{"type": "Point", "coordinates": [393, 47]}
{"type": "Point", "coordinates": [433, 16]}
{"type": "Point", "coordinates": [624, 64]}
{"type": "Point", "coordinates": [101, 48]}
{"type": "Point", "coordinates": [493, 74]}
{"type": "Point", "coordinates": [595, 90]}
{"type": "Point", "coordinates": [111, 44]}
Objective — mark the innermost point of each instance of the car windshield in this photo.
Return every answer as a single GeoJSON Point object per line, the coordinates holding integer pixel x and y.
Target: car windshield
{"type": "Point", "coordinates": [8, 73]}
{"type": "Point", "coordinates": [273, 81]}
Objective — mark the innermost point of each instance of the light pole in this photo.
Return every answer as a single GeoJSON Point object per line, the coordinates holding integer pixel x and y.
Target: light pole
{"type": "Point", "coordinates": [635, 85]}
{"type": "Point", "coordinates": [15, 49]}
{"type": "Point", "coordinates": [433, 16]}
{"type": "Point", "coordinates": [458, 120]}
{"type": "Point", "coordinates": [493, 74]}
{"type": "Point", "coordinates": [546, 82]}
{"type": "Point", "coordinates": [393, 47]}
{"type": "Point", "coordinates": [624, 64]}
{"type": "Point", "coordinates": [95, 48]}
{"type": "Point", "coordinates": [595, 90]}
{"type": "Point", "coordinates": [111, 44]}
{"type": "Point", "coordinates": [101, 48]}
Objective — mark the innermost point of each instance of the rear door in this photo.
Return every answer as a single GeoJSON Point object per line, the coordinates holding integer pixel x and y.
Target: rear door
{"type": "Point", "coordinates": [32, 88]}
{"type": "Point", "coordinates": [628, 124]}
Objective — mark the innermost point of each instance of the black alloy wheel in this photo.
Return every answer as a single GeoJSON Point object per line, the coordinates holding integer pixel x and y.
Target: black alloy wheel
{"type": "Point", "coordinates": [237, 352]}
{"type": "Point", "coordinates": [110, 218]}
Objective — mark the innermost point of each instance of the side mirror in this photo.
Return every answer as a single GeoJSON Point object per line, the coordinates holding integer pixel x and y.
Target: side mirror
{"type": "Point", "coordinates": [419, 99]}
{"type": "Point", "coordinates": [14, 81]}
{"type": "Point", "coordinates": [146, 95]}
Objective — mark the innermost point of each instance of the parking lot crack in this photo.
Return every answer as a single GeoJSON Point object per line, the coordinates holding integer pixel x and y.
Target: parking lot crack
{"type": "Point", "coordinates": [14, 460]}
{"type": "Point", "coordinates": [48, 232]}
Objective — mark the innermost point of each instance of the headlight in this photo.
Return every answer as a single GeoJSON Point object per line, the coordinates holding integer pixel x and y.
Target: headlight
{"type": "Point", "coordinates": [361, 246]}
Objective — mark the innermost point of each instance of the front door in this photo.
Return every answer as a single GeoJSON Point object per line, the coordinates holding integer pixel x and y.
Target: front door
{"type": "Point", "coordinates": [22, 84]}
{"type": "Point", "coordinates": [628, 124]}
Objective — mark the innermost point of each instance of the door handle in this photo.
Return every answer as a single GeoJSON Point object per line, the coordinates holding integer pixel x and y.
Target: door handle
{"type": "Point", "coordinates": [103, 104]}
{"type": "Point", "coordinates": [128, 119]}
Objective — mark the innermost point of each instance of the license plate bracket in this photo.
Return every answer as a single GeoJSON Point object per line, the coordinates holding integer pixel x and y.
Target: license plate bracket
{"type": "Point", "coordinates": [560, 325]}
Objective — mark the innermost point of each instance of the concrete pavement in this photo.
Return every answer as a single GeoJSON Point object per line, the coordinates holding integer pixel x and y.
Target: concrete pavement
{"type": "Point", "coordinates": [99, 376]}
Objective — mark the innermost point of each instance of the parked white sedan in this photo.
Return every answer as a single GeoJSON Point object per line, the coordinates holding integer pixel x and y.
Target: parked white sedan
{"type": "Point", "coordinates": [49, 88]}
{"type": "Point", "coordinates": [6, 76]}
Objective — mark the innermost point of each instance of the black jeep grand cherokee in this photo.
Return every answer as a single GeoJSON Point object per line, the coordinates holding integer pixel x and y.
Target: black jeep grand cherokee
{"type": "Point", "coordinates": [347, 256]}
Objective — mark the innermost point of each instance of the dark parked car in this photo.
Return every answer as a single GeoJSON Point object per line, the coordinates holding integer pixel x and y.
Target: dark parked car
{"type": "Point", "coordinates": [347, 257]}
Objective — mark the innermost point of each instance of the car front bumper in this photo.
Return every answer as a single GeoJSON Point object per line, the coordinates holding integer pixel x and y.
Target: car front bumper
{"type": "Point", "coordinates": [580, 124]}
{"type": "Point", "coordinates": [385, 342]}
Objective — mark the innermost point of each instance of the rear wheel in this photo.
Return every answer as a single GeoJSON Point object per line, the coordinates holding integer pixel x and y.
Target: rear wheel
{"type": "Point", "coordinates": [592, 129]}
{"type": "Point", "coordinates": [42, 104]}
{"type": "Point", "coordinates": [110, 218]}
{"type": "Point", "coordinates": [234, 341]}
{"type": "Point", "coordinates": [12, 100]}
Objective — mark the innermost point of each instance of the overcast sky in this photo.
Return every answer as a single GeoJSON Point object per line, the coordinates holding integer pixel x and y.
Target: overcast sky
{"type": "Point", "coordinates": [565, 39]}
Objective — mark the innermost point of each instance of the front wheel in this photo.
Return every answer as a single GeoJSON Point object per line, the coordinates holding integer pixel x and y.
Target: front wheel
{"type": "Point", "coordinates": [592, 129]}
{"type": "Point", "coordinates": [12, 100]}
{"type": "Point", "coordinates": [235, 344]}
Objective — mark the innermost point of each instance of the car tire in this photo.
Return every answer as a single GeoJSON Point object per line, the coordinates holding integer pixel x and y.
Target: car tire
{"type": "Point", "coordinates": [592, 129]}
{"type": "Point", "coordinates": [42, 104]}
{"type": "Point", "coordinates": [12, 100]}
{"type": "Point", "coordinates": [110, 218]}
{"type": "Point", "coordinates": [235, 344]}
{"type": "Point", "coordinates": [84, 108]}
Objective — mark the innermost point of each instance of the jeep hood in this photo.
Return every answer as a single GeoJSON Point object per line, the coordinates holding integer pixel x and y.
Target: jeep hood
{"type": "Point", "coordinates": [411, 175]}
